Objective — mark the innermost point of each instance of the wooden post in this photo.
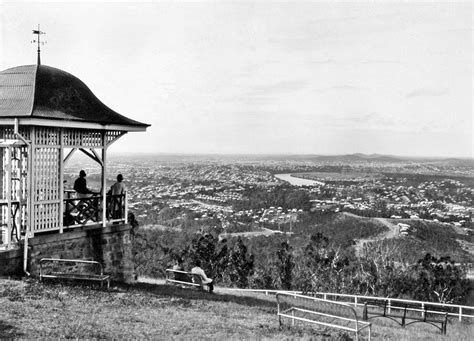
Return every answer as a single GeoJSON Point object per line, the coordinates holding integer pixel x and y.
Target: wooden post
{"type": "Point", "coordinates": [31, 184]}
{"type": "Point", "coordinates": [125, 197]}
{"type": "Point", "coordinates": [104, 170]}
{"type": "Point", "coordinates": [29, 196]}
{"type": "Point", "coordinates": [61, 181]}
{"type": "Point", "coordinates": [8, 192]}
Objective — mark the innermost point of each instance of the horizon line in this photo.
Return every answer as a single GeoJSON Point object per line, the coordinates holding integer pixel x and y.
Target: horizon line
{"type": "Point", "coordinates": [290, 154]}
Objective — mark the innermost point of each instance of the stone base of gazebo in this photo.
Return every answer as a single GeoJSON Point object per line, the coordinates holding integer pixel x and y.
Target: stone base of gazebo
{"type": "Point", "coordinates": [11, 262]}
{"type": "Point", "coordinates": [111, 246]}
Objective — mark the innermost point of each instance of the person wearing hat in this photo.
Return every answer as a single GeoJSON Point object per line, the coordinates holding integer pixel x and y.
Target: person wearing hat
{"type": "Point", "coordinates": [80, 186]}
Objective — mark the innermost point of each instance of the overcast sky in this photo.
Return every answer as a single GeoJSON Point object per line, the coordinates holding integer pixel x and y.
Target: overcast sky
{"type": "Point", "coordinates": [265, 77]}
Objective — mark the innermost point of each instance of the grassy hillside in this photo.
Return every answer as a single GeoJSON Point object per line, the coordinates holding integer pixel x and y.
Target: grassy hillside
{"type": "Point", "coordinates": [33, 310]}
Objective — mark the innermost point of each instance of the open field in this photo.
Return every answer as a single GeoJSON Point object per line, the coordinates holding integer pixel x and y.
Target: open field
{"type": "Point", "coordinates": [33, 310]}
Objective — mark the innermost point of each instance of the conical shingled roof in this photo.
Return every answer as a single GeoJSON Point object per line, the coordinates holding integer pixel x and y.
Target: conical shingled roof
{"type": "Point", "coordinates": [40, 93]}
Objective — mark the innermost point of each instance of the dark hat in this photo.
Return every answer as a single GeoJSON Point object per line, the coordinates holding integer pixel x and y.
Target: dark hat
{"type": "Point", "coordinates": [82, 173]}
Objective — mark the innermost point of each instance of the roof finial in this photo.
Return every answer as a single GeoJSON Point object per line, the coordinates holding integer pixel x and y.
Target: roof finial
{"type": "Point", "coordinates": [39, 33]}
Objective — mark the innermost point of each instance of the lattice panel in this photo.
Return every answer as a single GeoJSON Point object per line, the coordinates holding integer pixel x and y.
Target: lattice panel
{"type": "Point", "coordinates": [82, 138]}
{"type": "Point", "coordinates": [18, 161]}
{"type": "Point", "coordinates": [47, 136]}
{"type": "Point", "coordinates": [112, 135]}
{"type": "Point", "coordinates": [8, 132]}
{"type": "Point", "coordinates": [4, 190]}
{"type": "Point", "coordinates": [46, 217]}
{"type": "Point", "coordinates": [45, 174]}
{"type": "Point", "coordinates": [4, 172]}
{"type": "Point", "coordinates": [16, 184]}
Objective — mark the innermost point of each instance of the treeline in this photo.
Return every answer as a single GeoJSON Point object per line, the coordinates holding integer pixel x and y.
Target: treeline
{"type": "Point", "coordinates": [307, 264]}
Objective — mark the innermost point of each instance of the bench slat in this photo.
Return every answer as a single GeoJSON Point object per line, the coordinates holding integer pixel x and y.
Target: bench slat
{"type": "Point", "coordinates": [319, 322]}
{"type": "Point", "coordinates": [71, 275]}
{"type": "Point", "coordinates": [323, 314]}
{"type": "Point", "coordinates": [337, 312]}
{"type": "Point", "coordinates": [194, 279]}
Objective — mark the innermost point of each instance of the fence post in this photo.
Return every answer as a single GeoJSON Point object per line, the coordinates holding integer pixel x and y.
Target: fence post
{"type": "Point", "coordinates": [125, 198]}
{"type": "Point", "coordinates": [389, 305]}
{"type": "Point", "coordinates": [355, 301]}
{"type": "Point", "coordinates": [293, 319]}
{"type": "Point", "coordinates": [278, 309]}
{"type": "Point", "coordinates": [460, 314]}
{"type": "Point", "coordinates": [423, 310]}
{"type": "Point", "coordinates": [325, 296]}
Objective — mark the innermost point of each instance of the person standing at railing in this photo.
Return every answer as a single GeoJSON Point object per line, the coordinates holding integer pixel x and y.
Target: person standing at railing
{"type": "Point", "coordinates": [80, 186]}
{"type": "Point", "coordinates": [117, 189]}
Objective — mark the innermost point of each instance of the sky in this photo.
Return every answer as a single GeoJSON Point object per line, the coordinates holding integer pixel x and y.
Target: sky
{"type": "Point", "coordinates": [264, 77]}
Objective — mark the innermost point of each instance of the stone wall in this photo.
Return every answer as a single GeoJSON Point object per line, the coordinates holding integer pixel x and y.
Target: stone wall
{"type": "Point", "coordinates": [111, 246]}
{"type": "Point", "coordinates": [11, 262]}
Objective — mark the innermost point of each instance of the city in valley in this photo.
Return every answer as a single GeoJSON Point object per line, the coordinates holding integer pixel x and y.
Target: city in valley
{"type": "Point", "coordinates": [370, 225]}
{"type": "Point", "coordinates": [222, 191]}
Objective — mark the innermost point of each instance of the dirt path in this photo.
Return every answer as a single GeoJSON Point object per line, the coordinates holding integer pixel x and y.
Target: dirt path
{"type": "Point", "coordinates": [264, 232]}
{"type": "Point", "coordinates": [392, 231]}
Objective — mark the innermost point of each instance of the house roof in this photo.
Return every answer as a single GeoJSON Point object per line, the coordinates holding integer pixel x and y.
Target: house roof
{"type": "Point", "coordinates": [44, 95]}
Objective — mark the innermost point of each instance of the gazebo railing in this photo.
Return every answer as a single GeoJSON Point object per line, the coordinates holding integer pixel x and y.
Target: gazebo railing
{"type": "Point", "coordinates": [88, 211]}
{"type": "Point", "coordinates": [12, 233]}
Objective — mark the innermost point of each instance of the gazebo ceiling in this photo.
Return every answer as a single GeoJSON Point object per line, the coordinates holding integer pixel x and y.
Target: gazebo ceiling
{"type": "Point", "coordinates": [43, 95]}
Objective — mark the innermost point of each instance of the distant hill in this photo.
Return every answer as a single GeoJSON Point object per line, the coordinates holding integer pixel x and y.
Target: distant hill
{"type": "Point", "coordinates": [360, 157]}
{"type": "Point", "coordinates": [356, 157]}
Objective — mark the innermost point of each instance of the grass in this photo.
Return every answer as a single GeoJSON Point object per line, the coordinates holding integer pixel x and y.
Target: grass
{"type": "Point", "coordinates": [33, 310]}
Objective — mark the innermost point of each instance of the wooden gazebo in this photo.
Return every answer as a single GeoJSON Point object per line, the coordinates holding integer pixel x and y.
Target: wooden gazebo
{"type": "Point", "coordinates": [47, 114]}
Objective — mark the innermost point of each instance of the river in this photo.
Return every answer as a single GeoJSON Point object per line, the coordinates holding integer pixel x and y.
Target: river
{"type": "Point", "coordinates": [297, 181]}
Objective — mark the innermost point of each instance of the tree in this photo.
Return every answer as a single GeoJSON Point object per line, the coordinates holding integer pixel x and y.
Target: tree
{"type": "Point", "coordinates": [382, 270]}
{"type": "Point", "coordinates": [240, 265]}
{"type": "Point", "coordinates": [212, 254]}
{"type": "Point", "coordinates": [285, 265]}
{"type": "Point", "coordinates": [439, 280]}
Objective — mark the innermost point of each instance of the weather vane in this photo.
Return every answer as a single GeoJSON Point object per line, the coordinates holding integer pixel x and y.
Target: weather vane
{"type": "Point", "coordinates": [39, 42]}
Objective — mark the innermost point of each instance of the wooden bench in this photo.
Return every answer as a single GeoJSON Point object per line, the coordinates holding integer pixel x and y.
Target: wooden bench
{"type": "Point", "coordinates": [184, 278]}
{"type": "Point", "coordinates": [320, 311]}
{"type": "Point", "coordinates": [400, 312]}
{"type": "Point", "coordinates": [73, 269]}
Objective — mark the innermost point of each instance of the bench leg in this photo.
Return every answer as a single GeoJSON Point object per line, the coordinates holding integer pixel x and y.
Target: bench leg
{"type": "Point", "coordinates": [445, 323]}
{"type": "Point", "coordinates": [365, 315]}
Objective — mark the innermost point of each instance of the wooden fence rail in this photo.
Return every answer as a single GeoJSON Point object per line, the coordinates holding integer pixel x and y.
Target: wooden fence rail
{"type": "Point", "coordinates": [459, 311]}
